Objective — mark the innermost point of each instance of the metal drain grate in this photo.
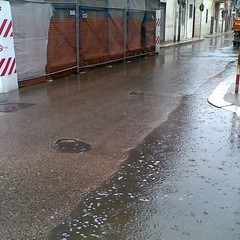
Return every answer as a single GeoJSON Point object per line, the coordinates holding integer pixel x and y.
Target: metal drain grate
{"type": "Point", "coordinates": [8, 107]}
{"type": "Point", "coordinates": [71, 146]}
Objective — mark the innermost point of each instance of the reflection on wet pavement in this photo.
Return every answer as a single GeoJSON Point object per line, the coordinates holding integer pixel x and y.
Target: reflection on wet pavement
{"type": "Point", "coordinates": [182, 182]}
{"type": "Point", "coordinates": [7, 107]}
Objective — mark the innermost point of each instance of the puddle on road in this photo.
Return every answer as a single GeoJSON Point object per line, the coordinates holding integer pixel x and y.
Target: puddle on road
{"type": "Point", "coordinates": [115, 209]}
{"type": "Point", "coordinates": [71, 146]}
{"type": "Point", "coordinates": [8, 107]}
{"type": "Point", "coordinates": [182, 182]}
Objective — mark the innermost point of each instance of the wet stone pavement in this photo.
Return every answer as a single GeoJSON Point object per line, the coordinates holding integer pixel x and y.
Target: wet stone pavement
{"type": "Point", "coordinates": [131, 151]}
{"type": "Point", "coordinates": [181, 182]}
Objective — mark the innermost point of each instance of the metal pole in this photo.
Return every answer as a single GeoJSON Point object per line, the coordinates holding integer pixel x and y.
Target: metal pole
{"type": "Point", "coordinates": [108, 18]}
{"type": "Point", "coordinates": [194, 15]}
{"type": "Point", "coordinates": [124, 32]}
{"type": "Point", "coordinates": [175, 22]}
{"type": "Point", "coordinates": [186, 20]}
{"type": "Point", "coordinates": [77, 36]}
{"type": "Point", "coordinates": [179, 20]}
{"type": "Point", "coordinates": [200, 25]}
{"type": "Point", "coordinates": [238, 72]}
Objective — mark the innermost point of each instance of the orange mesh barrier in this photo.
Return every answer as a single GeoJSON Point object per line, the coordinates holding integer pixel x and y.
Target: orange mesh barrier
{"type": "Point", "coordinates": [93, 41]}
{"type": "Point", "coordinates": [61, 45]}
{"type": "Point", "coordinates": [101, 36]}
{"type": "Point", "coordinates": [134, 41]}
{"type": "Point", "coordinates": [150, 32]}
{"type": "Point", "coordinates": [101, 39]}
{"type": "Point", "coordinates": [116, 38]}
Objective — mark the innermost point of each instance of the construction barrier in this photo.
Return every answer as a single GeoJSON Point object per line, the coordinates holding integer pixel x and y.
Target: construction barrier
{"type": "Point", "coordinates": [62, 48]}
{"type": "Point", "coordinates": [72, 36]}
{"type": "Point", "coordinates": [8, 72]}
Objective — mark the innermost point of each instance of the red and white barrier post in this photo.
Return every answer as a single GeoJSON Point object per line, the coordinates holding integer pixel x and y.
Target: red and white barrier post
{"type": "Point", "coordinates": [237, 75]}
{"type": "Point", "coordinates": [8, 73]}
{"type": "Point", "coordinates": [158, 23]}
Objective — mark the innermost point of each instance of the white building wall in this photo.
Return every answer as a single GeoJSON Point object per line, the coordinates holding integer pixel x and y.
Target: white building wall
{"type": "Point", "coordinates": [189, 19]}
{"type": "Point", "coordinates": [169, 28]}
{"type": "Point", "coordinates": [202, 19]}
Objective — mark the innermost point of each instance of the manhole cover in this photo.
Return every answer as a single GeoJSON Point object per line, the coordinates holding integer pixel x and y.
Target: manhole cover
{"type": "Point", "coordinates": [137, 93]}
{"type": "Point", "coordinates": [71, 146]}
{"type": "Point", "coordinates": [13, 107]}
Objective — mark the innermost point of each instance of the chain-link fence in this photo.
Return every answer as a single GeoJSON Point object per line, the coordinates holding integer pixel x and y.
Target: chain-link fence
{"type": "Point", "coordinates": [77, 36]}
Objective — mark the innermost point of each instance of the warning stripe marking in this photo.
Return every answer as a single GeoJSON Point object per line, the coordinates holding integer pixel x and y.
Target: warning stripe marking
{"type": "Point", "coordinates": [157, 40]}
{"type": "Point", "coordinates": [158, 22]}
{"type": "Point", "coordinates": [13, 67]}
{"type": "Point", "coordinates": [2, 26]}
{"type": "Point", "coordinates": [7, 66]}
{"type": "Point", "coordinates": [6, 28]}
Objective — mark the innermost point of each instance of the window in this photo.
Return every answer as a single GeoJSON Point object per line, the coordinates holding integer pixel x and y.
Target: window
{"type": "Point", "coordinates": [190, 11]}
{"type": "Point", "coordinates": [183, 16]}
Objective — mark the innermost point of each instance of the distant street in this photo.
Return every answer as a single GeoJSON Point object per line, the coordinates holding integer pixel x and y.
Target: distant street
{"type": "Point", "coordinates": [158, 161]}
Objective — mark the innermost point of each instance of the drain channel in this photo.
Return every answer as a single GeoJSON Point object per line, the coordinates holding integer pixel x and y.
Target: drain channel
{"type": "Point", "coordinates": [71, 146]}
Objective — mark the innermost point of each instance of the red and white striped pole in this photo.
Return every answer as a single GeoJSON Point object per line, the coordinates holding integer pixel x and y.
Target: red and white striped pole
{"type": "Point", "coordinates": [157, 29]}
{"type": "Point", "coordinates": [237, 75]}
{"type": "Point", "coordinates": [8, 73]}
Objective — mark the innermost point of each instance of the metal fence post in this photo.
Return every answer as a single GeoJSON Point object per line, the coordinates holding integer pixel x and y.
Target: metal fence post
{"type": "Point", "coordinates": [124, 33]}
{"type": "Point", "coordinates": [77, 36]}
{"type": "Point", "coordinates": [108, 35]}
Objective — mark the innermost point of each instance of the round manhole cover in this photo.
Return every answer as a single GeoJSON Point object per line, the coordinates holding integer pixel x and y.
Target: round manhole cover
{"type": "Point", "coordinates": [71, 146]}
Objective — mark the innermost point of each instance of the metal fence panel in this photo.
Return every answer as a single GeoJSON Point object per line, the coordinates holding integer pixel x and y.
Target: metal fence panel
{"type": "Point", "coordinates": [93, 36]}
{"type": "Point", "coordinates": [80, 36]}
{"type": "Point", "coordinates": [149, 31]}
{"type": "Point", "coordinates": [62, 47]}
{"type": "Point", "coordinates": [101, 35]}
{"type": "Point", "coordinates": [134, 32]}
{"type": "Point", "coordinates": [140, 32]}
{"type": "Point", "coordinates": [116, 33]}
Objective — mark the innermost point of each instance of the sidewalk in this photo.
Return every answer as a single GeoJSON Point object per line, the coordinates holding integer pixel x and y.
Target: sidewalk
{"type": "Point", "coordinates": [224, 95]}
{"type": "Point", "coordinates": [183, 41]}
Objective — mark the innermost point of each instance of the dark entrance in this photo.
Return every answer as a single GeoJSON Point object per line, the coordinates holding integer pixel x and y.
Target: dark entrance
{"type": "Point", "coordinates": [163, 21]}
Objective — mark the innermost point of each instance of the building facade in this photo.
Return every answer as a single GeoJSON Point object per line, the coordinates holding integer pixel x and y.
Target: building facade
{"type": "Point", "coordinates": [194, 18]}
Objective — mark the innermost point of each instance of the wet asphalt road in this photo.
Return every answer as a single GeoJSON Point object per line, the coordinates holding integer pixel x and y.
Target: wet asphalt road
{"type": "Point", "coordinates": [183, 180]}
{"type": "Point", "coordinates": [180, 179]}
